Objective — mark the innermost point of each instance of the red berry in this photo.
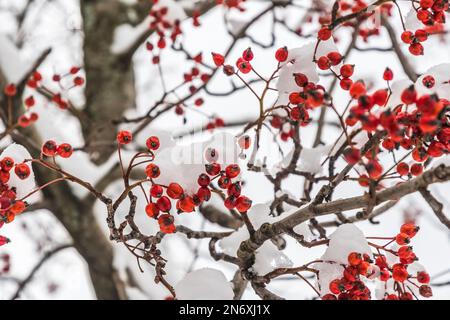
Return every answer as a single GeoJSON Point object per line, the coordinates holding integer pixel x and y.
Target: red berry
{"type": "Point", "coordinates": [402, 169]}
{"type": "Point", "coordinates": [354, 259]}
{"type": "Point", "coordinates": [243, 66]}
{"type": "Point", "coordinates": [22, 170]}
{"type": "Point", "coordinates": [324, 34]}
{"type": "Point", "coordinates": [357, 89]}
{"type": "Point", "coordinates": [352, 155]}
{"type": "Point", "coordinates": [230, 202]}
{"type": "Point", "coordinates": [124, 137]}
{"type": "Point", "coordinates": [218, 59]}
{"type": "Point", "coordinates": [243, 204]}
{"type": "Point", "coordinates": [152, 171]}
{"type": "Point", "coordinates": [174, 190]}
{"type": "Point", "coordinates": [399, 273]}
{"type": "Point", "coordinates": [388, 75]}
{"type": "Point", "coordinates": [244, 142]}
{"type": "Point", "coordinates": [323, 63]}
{"type": "Point", "coordinates": [247, 55]}
{"type": "Point", "coordinates": [166, 223]}
{"type": "Point", "coordinates": [6, 164]}
{"type": "Point", "coordinates": [203, 180]}
{"type": "Point", "coordinates": [416, 49]}
{"type": "Point", "coordinates": [164, 204]}
{"type": "Point", "coordinates": [152, 143]}
{"type": "Point", "coordinates": [402, 239]}
{"type": "Point", "coordinates": [423, 277]}
{"type": "Point", "coordinates": [347, 70]}
{"type": "Point", "coordinates": [49, 148]}
{"type": "Point", "coordinates": [156, 191]}
{"type": "Point", "coordinates": [334, 57]}
{"type": "Point", "coordinates": [212, 169]}
{"type": "Point", "coordinates": [409, 229]}
{"type": "Point", "coordinates": [407, 37]}
{"type": "Point", "coordinates": [64, 150]}
{"type": "Point", "coordinates": [152, 210]}
{"type": "Point", "coordinates": [10, 90]}
{"type": "Point", "coordinates": [428, 81]}
{"type": "Point", "coordinates": [425, 291]}
{"type": "Point", "coordinates": [416, 169]}
{"type": "Point", "coordinates": [224, 182]}
{"type": "Point", "coordinates": [232, 171]}
{"type": "Point", "coordinates": [281, 54]}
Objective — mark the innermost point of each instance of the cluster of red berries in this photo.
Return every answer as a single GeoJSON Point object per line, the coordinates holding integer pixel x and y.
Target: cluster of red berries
{"type": "Point", "coordinates": [425, 129]}
{"type": "Point", "coordinates": [430, 13]}
{"type": "Point", "coordinates": [51, 149]}
{"type": "Point", "coordinates": [162, 196]}
{"type": "Point", "coordinates": [351, 286]}
{"type": "Point", "coordinates": [25, 119]}
{"type": "Point", "coordinates": [10, 206]}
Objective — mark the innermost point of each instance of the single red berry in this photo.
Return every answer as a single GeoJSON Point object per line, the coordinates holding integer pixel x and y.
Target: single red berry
{"type": "Point", "coordinates": [247, 55]}
{"type": "Point", "coordinates": [428, 81]}
{"type": "Point", "coordinates": [186, 204]}
{"type": "Point", "coordinates": [230, 202]}
{"type": "Point", "coordinates": [166, 223]}
{"type": "Point", "coordinates": [402, 239]}
{"type": "Point", "coordinates": [29, 102]}
{"type": "Point", "coordinates": [22, 170]}
{"type": "Point", "coordinates": [334, 57]}
{"type": "Point", "coordinates": [7, 164]}
{"type": "Point", "coordinates": [399, 273]}
{"type": "Point", "coordinates": [416, 49]}
{"type": "Point", "coordinates": [218, 59]}
{"type": "Point", "coordinates": [352, 155]}
{"type": "Point", "coordinates": [423, 277]}
{"type": "Point", "coordinates": [421, 35]}
{"type": "Point", "coordinates": [152, 210]}
{"type": "Point", "coordinates": [323, 63]}
{"type": "Point", "coordinates": [243, 204]}
{"type": "Point", "coordinates": [347, 70]}
{"type": "Point", "coordinates": [152, 171]}
{"type": "Point", "coordinates": [64, 150]}
{"type": "Point", "coordinates": [204, 194]}
{"type": "Point", "coordinates": [124, 137]}
{"type": "Point", "coordinates": [243, 66]}
{"type": "Point", "coordinates": [224, 182]}
{"type": "Point", "coordinates": [49, 148]}
{"type": "Point", "coordinates": [203, 180]}
{"type": "Point", "coordinates": [175, 191]}
{"type": "Point", "coordinates": [281, 54]}
{"type": "Point", "coordinates": [212, 169]}
{"type": "Point", "coordinates": [402, 169]}
{"type": "Point", "coordinates": [232, 171]}
{"type": "Point", "coordinates": [156, 191]}
{"type": "Point", "coordinates": [10, 90]}
{"type": "Point", "coordinates": [324, 34]}
{"type": "Point", "coordinates": [388, 74]}
{"type": "Point", "coordinates": [354, 259]}
{"type": "Point", "coordinates": [152, 143]}
{"type": "Point", "coordinates": [357, 89]}
{"type": "Point", "coordinates": [407, 37]}
{"type": "Point", "coordinates": [416, 169]}
{"type": "Point", "coordinates": [78, 81]}
{"type": "Point", "coordinates": [409, 229]}
{"type": "Point", "coordinates": [164, 204]}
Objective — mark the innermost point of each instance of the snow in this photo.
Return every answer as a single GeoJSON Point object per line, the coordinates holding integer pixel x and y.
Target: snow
{"type": "Point", "coordinates": [12, 65]}
{"type": "Point", "coordinates": [268, 257]}
{"type": "Point", "coordinates": [126, 35]}
{"type": "Point", "coordinates": [175, 10]}
{"type": "Point", "coordinates": [18, 153]}
{"type": "Point", "coordinates": [345, 239]}
{"type": "Point", "coordinates": [204, 284]}
{"type": "Point", "coordinates": [183, 163]}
